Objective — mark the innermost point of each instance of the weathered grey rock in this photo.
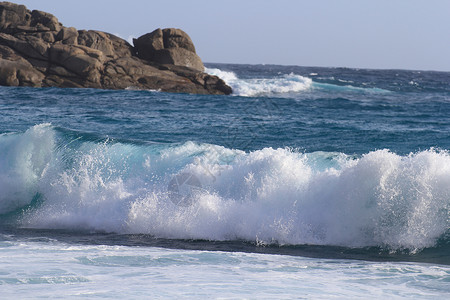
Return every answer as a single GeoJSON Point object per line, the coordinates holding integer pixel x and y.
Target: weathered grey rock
{"type": "Point", "coordinates": [168, 46]}
{"type": "Point", "coordinates": [43, 19]}
{"type": "Point", "coordinates": [209, 82]}
{"type": "Point", "coordinates": [13, 15]}
{"type": "Point", "coordinates": [177, 38]}
{"type": "Point", "coordinates": [128, 72]}
{"type": "Point", "coordinates": [97, 40]}
{"type": "Point", "coordinates": [30, 46]}
{"type": "Point", "coordinates": [48, 36]}
{"type": "Point", "coordinates": [8, 53]}
{"type": "Point", "coordinates": [179, 57]}
{"type": "Point", "coordinates": [148, 44]}
{"type": "Point", "coordinates": [83, 61]}
{"type": "Point", "coordinates": [19, 73]}
{"type": "Point", "coordinates": [67, 35]}
{"type": "Point", "coordinates": [121, 47]}
{"type": "Point", "coordinates": [36, 50]}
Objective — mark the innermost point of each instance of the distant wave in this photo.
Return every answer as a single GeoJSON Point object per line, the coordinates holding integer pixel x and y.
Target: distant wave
{"type": "Point", "coordinates": [348, 88]}
{"type": "Point", "coordinates": [283, 84]}
{"type": "Point", "coordinates": [54, 179]}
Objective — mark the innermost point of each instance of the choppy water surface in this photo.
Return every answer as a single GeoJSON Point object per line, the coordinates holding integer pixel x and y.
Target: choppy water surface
{"type": "Point", "coordinates": [318, 177]}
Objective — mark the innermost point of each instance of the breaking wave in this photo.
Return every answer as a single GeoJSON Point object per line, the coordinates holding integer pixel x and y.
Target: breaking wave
{"type": "Point", "coordinates": [286, 85]}
{"type": "Point", "coordinates": [282, 85]}
{"type": "Point", "coordinates": [56, 179]}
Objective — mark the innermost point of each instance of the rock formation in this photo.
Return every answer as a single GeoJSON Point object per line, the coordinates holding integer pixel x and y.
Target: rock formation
{"type": "Point", "coordinates": [36, 50]}
{"type": "Point", "coordinates": [168, 46]}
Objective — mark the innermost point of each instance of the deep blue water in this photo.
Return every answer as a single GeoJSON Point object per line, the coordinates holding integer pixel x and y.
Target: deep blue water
{"type": "Point", "coordinates": [296, 156]}
{"type": "Point", "coordinates": [343, 110]}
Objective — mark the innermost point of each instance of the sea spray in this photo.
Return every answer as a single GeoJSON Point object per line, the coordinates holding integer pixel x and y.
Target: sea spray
{"type": "Point", "coordinates": [269, 195]}
{"type": "Point", "coordinates": [288, 85]}
{"type": "Point", "coordinates": [281, 86]}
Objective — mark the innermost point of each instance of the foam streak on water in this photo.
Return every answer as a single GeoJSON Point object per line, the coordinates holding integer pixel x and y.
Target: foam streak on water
{"type": "Point", "coordinates": [46, 268]}
{"type": "Point", "coordinates": [202, 191]}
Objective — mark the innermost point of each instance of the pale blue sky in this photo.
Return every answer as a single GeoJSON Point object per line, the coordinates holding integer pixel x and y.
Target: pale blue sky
{"type": "Point", "coordinates": [388, 34]}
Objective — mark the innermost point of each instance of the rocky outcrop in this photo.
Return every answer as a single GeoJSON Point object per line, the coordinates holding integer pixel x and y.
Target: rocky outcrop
{"type": "Point", "coordinates": [168, 46]}
{"type": "Point", "coordinates": [36, 50]}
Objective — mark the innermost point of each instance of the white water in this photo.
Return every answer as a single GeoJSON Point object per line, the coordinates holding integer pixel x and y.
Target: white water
{"type": "Point", "coordinates": [267, 196]}
{"type": "Point", "coordinates": [284, 84]}
{"type": "Point", "coordinates": [32, 269]}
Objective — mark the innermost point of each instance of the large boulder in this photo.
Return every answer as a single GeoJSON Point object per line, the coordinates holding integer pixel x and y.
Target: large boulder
{"type": "Point", "coordinates": [179, 57]}
{"type": "Point", "coordinates": [13, 15]}
{"type": "Point", "coordinates": [85, 62]}
{"type": "Point", "coordinates": [147, 45]}
{"type": "Point", "coordinates": [96, 40]}
{"type": "Point", "coordinates": [168, 46]}
{"type": "Point", "coordinates": [121, 47]}
{"type": "Point", "coordinates": [37, 50]}
{"type": "Point", "coordinates": [30, 46]}
{"type": "Point", "coordinates": [19, 73]}
{"type": "Point", "coordinates": [67, 35]}
{"type": "Point", "coordinates": [44, 20]}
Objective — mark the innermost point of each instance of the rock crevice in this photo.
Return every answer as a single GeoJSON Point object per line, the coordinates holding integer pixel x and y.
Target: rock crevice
{"type": "Point", "coordinates": [36, 50]}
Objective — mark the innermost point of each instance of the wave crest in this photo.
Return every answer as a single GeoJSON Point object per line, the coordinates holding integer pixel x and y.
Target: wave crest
{"type": "Point", "coordinates": [282, 85]}
{"type": "Point", "coordinates": [268, 196]}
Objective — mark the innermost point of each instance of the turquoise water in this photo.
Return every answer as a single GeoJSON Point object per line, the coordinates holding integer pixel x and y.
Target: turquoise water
{"type": "Point", "coordinates": [306, 182]}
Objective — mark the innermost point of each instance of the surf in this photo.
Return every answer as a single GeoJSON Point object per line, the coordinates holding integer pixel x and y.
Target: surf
{"type": "Point", "coordinates": [288, 85]}
{"type": "Point", "coordinates": [282, 85]}
{"type": "Point", "coordinates": [52, 178]}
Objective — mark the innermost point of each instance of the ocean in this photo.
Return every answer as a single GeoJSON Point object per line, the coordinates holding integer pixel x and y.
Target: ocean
{"type": "Point", "coordinates": [305, 183]}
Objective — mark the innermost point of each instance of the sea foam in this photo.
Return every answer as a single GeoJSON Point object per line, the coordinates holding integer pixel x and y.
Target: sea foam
{"type": "Point", "coordinates": [203, 191]}
{"type": "Point", "coordinates": [282, 85]}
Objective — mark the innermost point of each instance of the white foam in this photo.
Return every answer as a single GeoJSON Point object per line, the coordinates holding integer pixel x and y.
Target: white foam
{"type": "Point", "coordinates": [276, 196]}
{"type": "Point", "coordinates": [283, 85]}
{"type": "Point", "coordinates": [43, 269]}
{"type": "Point", "coordinates": [348, 88]}
{"type": "Point", "coordinates": [267, 196]}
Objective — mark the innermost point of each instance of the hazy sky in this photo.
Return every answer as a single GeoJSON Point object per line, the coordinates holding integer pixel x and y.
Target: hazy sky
{"type": "Point", "coordinates": [392, 34]}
